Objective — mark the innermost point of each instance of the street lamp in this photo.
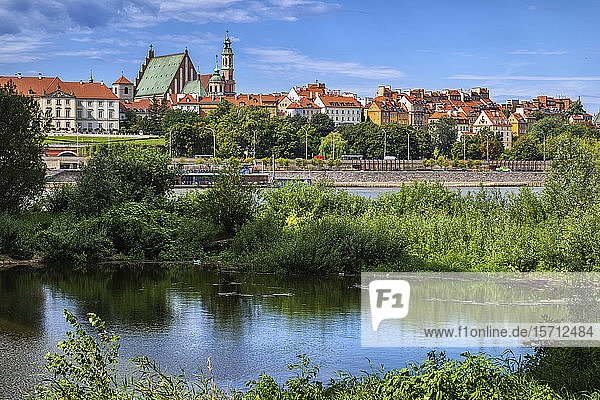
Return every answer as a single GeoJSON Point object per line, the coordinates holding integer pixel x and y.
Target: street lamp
{"type": "Point", "coordinates": [408, 146]}
{"type": "Point", "coordinates": [384, 142]}
{"type": "Point", "coordinates": [305, 129]}
{"type": "Point", "coordinates": [254, 144]}
{"type": "Point", "coordinates": [544, 150]}
{"type": "Point", "coordinates": [464, 146]}
{"type": "Point", "coordinates": [214, 141]}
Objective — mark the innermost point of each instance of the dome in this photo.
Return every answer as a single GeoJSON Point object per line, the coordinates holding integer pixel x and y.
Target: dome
{"type": "Point", "coordinates": [216, 77]}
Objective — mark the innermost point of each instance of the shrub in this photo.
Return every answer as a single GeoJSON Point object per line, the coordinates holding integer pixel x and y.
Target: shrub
{"type": "Point", "coordinates": [16, 237]}
{"type": "Point", "coordinates": [76, 242]}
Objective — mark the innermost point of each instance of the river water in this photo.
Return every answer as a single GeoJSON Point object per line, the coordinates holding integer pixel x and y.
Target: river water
{"type": "Point", "coordinates": [375, 192]}
{"type": "Point", "coordinates": [246, 323]}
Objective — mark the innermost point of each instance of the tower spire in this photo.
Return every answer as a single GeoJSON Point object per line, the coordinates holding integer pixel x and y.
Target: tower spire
{"type": "Point", "coordinates": [91, 76]}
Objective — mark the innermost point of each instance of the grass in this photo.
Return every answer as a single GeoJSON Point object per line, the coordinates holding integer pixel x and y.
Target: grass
{"type": "Point", "coordinates": [90, 140]}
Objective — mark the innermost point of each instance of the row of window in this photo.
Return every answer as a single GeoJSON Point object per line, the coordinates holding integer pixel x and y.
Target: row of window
{"type": "Point", "coordinates": [59, 102]}
{"type": "Point", "coordinates": [90, 113]}
{"type": "Point", "coordinates": [342, 111]}
{"type": "Point", "coordinates": [90, 126]}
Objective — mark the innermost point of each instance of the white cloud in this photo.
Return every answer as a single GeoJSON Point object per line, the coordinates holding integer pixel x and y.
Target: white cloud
{"type": "Point", "coordinates": [524, 78]}
{"type": "Point", "coordinates": [17, 49]}
{"type": "Point", "coordinates": [539, 52]}
{"type": "Point", "coordinates": [292, 60]}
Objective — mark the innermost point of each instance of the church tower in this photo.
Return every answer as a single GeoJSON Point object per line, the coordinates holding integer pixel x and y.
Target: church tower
{"type": "Point", "coordinates": [227, 67]}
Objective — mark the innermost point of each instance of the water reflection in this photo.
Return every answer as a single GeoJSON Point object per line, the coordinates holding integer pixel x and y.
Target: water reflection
{"type": "Point", "coordinates": [247, 323]}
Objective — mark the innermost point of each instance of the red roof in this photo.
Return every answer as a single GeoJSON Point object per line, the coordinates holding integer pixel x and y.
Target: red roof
{"type": "Point", "coordinates": [339, 101]}
{"type": "Point", "coordinates": [88, 90]}
{"type": "Point", "coordinates": [32, 86]}
{"type": "Point", "coordinates": [122, 79]}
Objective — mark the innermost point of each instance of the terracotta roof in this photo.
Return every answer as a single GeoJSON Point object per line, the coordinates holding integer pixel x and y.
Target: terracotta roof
{"type": "Point", "coordinates": [122, 79]}
{"type": "Point", "coordinates": [87, 90]}
{"type": "Point", "coordinates": [32, 86]}
{"type": "Point", "coordinates": [339, 101]}
{"type": "Point", "coordinates": [139, 106]}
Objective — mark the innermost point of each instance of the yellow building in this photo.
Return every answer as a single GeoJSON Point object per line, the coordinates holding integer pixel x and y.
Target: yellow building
{"type": "Point", "coordinates": [385, 111]}
{"type": "Point", "coordinates": [518, 124]}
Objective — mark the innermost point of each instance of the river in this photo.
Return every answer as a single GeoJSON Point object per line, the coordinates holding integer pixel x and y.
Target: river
{"type": "Point", "coordinates": [375, 192]}
{"type": "Point", "coordinates": [247, 323]}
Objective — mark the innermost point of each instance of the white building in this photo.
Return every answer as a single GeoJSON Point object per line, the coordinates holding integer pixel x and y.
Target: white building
{"type": "Point", "coordinates": [343, 110]}
{"type": "Point", "coordinates": [497, 123]}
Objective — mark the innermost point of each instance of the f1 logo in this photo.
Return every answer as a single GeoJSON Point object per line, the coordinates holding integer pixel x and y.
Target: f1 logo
{"type": "Point", "coordinates": [389, 300]}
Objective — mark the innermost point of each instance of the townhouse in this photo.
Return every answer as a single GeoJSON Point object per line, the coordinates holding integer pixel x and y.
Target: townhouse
{"type": "Point", "coordinates": [343, 110]}
{"type": "Point", "coordinates": [497, 123]}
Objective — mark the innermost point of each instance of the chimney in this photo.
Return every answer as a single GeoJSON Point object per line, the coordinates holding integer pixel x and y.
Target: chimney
{"type": "Point", "coordinates": [39, 75]}
{"type": "Point", "coordinates": [81, 82]}
{"type": "Point", "coordinates": [102, 82]}
{"type": "Point", "coordinates": [19, 75]}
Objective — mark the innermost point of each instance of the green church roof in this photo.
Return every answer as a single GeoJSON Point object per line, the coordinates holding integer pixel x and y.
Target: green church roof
{"type": "Point", "coordinates": [158, 75]}
{"type": "Point", "coordinates": [191, 87]}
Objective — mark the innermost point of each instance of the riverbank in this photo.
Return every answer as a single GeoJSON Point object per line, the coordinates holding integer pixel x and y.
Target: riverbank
{"type": "Point", "coordinates": [400, 178]}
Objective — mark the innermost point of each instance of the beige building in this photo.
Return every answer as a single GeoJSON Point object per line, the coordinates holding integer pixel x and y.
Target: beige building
{"type": "Point", "coordinates": [73, 106]}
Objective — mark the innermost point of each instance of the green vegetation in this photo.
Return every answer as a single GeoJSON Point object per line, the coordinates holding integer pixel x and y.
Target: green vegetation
{"type": "Point", "coordinates": [85, 368]}
{"type": "Point", "coordinates": [21, 168]}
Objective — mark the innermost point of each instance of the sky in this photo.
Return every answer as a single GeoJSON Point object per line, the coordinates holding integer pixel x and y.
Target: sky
{"type": "Point", "coordinates": [518, 49]}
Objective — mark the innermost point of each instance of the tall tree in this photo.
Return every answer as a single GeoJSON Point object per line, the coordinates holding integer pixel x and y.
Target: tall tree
{"type": "Point", "coordinates": [527, 147]}
{"type": "Point", "coordinates": [22, 171]}
{"type": "Point", "coordinates": [333, 141]}
{"type": "Point", "coordinates": [575, 108]}
{"type": "Point", "coordinates": [444, 134]}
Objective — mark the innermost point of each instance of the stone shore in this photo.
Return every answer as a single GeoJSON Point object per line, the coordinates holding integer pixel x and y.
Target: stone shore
{"type": "Point", "coordinates": [397, 178]}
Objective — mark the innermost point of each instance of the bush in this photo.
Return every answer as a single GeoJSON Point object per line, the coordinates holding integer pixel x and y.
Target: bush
{"type": "Point", "coordinates": [330, 244]}
{"type": "Point", "coordinates": [79, 243]}
{"type": "Point", "coordinates": [17, 237]}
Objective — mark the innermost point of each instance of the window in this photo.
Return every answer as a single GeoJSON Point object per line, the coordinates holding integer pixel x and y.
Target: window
{"type": "Point", "coordinates": [58, 124]}
{"type": "Point", "coordinates": [79, 112]}
{"type": "Point", "coordinates": [100, 103]}
{"type": "Point", "coordinates": [110, 126]}
{"type": "Point", "coordinates": [48, 111]}
{"type": "Point", "coordinates": [89, 103]}
{"type": "Point", "coordinates": [126, 90]}
{"type": "Point", "coordinates": [89, 126]}
{"type": "Point", "coordinates": [67, 112]}
{"type": "Point", "coordinates": [90, 115]}
{"type": "Point", "coordinates": [58, 102]}
{"type": "Point", "coordinates": [100, 113]}
{"type": "Point", "coordinates": [111, 114]}
{"type": "Point", "coordinates": [58, 112]}
{"type": "Point", "coordinates": [67, 124]}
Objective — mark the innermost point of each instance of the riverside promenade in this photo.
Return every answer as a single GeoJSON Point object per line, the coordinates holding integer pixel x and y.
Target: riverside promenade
{"type": "Point", "coordinates": [450, 178]}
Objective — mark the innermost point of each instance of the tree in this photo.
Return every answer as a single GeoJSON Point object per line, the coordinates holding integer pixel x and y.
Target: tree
{"type": "Point", "coordinates": [22, 171]}
{"type": "Point", "coordinates": [490, 144]}
{"type": "Point", "coordinates": [527, 147]}
{"type": "Point", "coordinates": [123, 173]}
{"type": "Point", "coordinates": [156, 112]}
{"type": "Point", "coordinates": [186, 139]}
{"type": "Point", "coordinates": [130, 121]}
{"type": "Point", "coordinates": [575, 108]}
{"type": "Point", "coordinates": [326, 147]}
{"type": "Point", "coordinates": [574, 182]}
{"type": "Point", "coordinates": [469, 144]}
{"type": "Point", "coordinates": [444, 134]}
{"type": "Point", "coordinates": [322, 124]}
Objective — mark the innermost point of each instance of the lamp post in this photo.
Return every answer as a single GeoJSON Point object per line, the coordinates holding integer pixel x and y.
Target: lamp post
{"type": "Point", "coordinates": [214, 141]}
{"type": "Point", "coordinates": [305, 129]}
{"type": "Point", "coordinates": [464, 146]}
{"type": "Point", "coordinates": [384, 142]}
{"type": "Point", "coordinates": [544, 150]}
{"type": "Point", "coordinates": [487, 148]}
{"type": "Point", "coordinates": [333, 154]}
{"type": "Point", "coordinates": [254, 145]}
{"type": "Point", "coordinates": [170, 140]}
{"type": "Point", "coordinates": [408, 146]}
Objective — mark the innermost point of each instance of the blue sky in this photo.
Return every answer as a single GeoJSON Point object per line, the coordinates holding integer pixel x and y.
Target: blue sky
{"type": "Point", "coordinates": [518, 49]}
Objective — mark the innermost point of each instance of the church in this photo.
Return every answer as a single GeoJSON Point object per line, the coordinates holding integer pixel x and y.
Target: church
{"type": "Point", "coordinates": [161, 76]}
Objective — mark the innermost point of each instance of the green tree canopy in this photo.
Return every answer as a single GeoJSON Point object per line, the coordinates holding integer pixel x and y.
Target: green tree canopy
{"type": "Point", "coordinates": [123, 173]}
{"type": "Point", "coordinates": [575, 108]}
{"type": "Point", "coordinates": [327, 145]}
{"type": "Point", "coordinates": [443, 135]}
{"type": "Point", "coordinates": [527, 147]}
{"type": "Point", "coordinates": [22, 171]}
